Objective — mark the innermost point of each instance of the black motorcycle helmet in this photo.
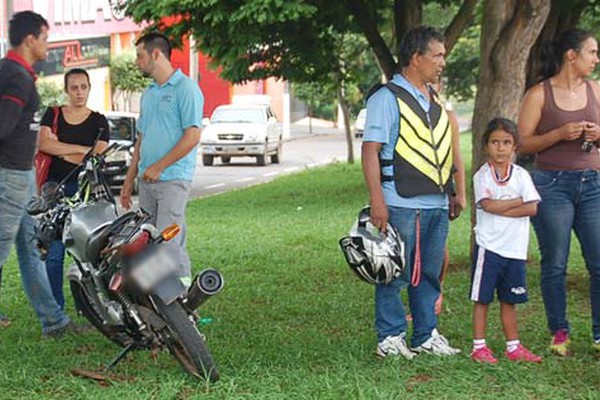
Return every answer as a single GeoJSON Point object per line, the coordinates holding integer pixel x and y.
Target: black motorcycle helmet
{"type": "Point", "coordinates": [374, 257]}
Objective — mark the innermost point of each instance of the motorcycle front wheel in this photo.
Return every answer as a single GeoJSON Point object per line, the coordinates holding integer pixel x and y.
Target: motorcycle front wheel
{"type": "Point", "coordinates": [185, 342]}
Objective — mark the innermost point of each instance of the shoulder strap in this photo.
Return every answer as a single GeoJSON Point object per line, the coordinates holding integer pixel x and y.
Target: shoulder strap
{"type": "Point", "coordinates": [390, 85]}
{"type": "Point", "coordinates": [55, 121]}
{"type": "Point", "coordinates": [433, 93]}
{"type": "Point", "coordinates": [393, 87]}
{"type": "Point", "coordinates": [590, 91]}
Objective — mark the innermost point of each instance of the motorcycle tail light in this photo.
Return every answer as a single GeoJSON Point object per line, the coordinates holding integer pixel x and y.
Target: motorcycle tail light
{"type": "Point", "coordinates": [115, 282]}
{"type": "Point", "coordinates": [137, 244]}
{"type": "Point", "coordinates": [170, 232]}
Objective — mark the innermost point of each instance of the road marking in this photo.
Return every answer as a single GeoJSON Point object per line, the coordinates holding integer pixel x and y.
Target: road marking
{"type": "Point", "coordinates": [291, 169]}
{"type": "Point", "coordinates": [214, 186]}
{"type": "Point", "coordinates": [245, 179]}
{"type": "Point", "coordinates": [271, 173]}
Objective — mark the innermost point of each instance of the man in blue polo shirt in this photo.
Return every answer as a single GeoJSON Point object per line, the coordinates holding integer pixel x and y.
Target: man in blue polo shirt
{"type": "Point", "coordinates": [164, 157]}
{"type": "Point", "coordinates": [407, 164]}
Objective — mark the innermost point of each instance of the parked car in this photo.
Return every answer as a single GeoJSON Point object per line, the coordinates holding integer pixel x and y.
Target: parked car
{"type": "Point", "coordinates": [123, 130]}
{"type": "Point", "coordinates": [242, 130]}
{"type": "Point", "coordinates": [359, 124]}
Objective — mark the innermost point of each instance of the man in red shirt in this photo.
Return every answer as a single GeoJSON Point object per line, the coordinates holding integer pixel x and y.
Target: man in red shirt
{"type": "Point", "coordinates": [28, 35]}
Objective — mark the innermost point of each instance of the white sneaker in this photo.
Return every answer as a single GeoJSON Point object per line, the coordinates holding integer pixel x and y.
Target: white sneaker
{"type": "Point", "coordinates": [436, 344]}
{"type": "Point", "coordinates": [393, 346]}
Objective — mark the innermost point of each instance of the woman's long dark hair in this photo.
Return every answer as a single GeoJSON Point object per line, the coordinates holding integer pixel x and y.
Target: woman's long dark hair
{"type": "Point", "coordinates": [553, 52]}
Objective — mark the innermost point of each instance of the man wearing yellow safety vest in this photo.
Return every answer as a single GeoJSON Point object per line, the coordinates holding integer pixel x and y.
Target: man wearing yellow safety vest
{"type": "Point", "coordinates": [407, 157]}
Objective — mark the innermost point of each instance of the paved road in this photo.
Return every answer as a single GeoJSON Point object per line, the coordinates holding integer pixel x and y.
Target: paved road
{"type": "Point", "coordinates": [303, 150]}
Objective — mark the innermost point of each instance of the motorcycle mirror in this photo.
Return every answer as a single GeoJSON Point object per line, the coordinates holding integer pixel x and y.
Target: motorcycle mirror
{"type": "Point", "coordinates": [49, 190]}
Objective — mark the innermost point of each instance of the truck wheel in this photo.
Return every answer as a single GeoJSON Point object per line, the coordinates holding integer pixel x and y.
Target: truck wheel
{"type": "Point", "coordinates": [208, 160]}
{"type": "Point", "coordinates": [261, 160]}
{"type": "Point", "coordinates": [276, 158]}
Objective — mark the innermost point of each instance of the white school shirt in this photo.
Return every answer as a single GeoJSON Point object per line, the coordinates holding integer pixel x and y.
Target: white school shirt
{"type": "Point", "coordinates": [506, 236]}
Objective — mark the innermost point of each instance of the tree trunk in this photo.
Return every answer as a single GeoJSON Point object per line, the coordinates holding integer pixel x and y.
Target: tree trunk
{"type": "Point", "coordinates": [563, 16]}
{"type": "Point", "coordinates": [345, 114]}
{"type": "Point", "coordinates": [408, 14]}
{"type": "Point", "coordinates": [127, 100]}
{"type": "Point", "coordinates": [368, 25]}
{"type": "Point", "coordinates": [508, 31]}
{"type": "Point", "coordinates": [462, 19]}
{"type": "Point", "coordinates": [310, 108]}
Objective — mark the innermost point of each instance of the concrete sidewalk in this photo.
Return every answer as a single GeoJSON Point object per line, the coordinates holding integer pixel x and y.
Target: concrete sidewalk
{"type": "Point", "coordinates": [305, 128]}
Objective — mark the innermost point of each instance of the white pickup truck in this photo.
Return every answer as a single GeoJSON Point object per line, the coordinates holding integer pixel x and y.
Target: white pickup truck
{"type": "Point", "coordinates": [242, 130]}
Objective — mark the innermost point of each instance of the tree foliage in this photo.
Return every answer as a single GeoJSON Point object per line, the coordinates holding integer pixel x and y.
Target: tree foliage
{"type": "Point", "coordinates": [126, 78]}
{"type": "Point", "coordinates": [298, 40]}
{"type": "Point", "coordinates": [291, 39]}
{"type": "Point", "coordinates": [51, 94]}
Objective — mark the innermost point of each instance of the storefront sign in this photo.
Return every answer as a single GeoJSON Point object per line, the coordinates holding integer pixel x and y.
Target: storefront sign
{"type": "Point", "coordinates": [82, 53]}
{"type": "Point", "coordinates": [79, 18]}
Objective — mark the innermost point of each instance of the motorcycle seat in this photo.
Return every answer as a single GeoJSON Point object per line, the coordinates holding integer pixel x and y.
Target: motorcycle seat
{"type": "Point", "coordinates": [96, 242]}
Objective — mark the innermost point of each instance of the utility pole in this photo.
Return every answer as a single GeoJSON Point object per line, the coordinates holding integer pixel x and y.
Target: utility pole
{"type": "Point", "coordinates": [193, 59]}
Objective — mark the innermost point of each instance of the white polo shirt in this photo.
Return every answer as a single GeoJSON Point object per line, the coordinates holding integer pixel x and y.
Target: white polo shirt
{"type": "Point", "coordinates": [506, 236]}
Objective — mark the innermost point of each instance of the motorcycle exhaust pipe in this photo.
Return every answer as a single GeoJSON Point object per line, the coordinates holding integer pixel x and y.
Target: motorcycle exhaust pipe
{"type": "Point", "coordinates": [206, 284]}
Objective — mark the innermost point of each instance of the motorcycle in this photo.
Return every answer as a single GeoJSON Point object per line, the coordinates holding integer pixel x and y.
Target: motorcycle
{"type": "Point", "coordinates": [124, 278]}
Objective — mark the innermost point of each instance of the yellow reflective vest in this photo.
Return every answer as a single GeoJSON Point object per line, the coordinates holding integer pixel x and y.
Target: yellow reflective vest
{"type": "Point", "coordinates": [423, 152]}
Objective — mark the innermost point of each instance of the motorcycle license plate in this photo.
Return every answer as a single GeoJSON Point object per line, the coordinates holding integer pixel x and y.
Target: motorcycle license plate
{"type": "Point", "coordinates": [154, 268]}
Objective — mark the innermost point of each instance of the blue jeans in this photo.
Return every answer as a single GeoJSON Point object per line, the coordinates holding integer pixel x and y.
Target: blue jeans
{"type": "Point", "coordinates": [56, 257]}
{"type": "Point", "coordinates": [390, 318]}
{"type": "Point", "coordinates": [570, 201]}
{"type": "Point", "coordinates": [16, 226]}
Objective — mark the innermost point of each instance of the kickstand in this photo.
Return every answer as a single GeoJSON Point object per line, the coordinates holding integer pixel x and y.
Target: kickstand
{"type": "Point", "coordinates": [120, 356]}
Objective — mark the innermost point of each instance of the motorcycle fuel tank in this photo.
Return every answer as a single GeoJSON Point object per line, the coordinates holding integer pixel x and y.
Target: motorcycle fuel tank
{"type": "Point", "coordinates": [83, 222]}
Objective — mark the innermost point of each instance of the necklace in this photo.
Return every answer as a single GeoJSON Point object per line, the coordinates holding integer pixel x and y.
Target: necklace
{"type": "Point", "coordinates": [570, 89]}
{"type": "Point", "coordinates": [573, 94]}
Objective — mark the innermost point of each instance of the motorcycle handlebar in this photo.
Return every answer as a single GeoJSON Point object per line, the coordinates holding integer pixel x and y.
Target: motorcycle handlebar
{"type": "Point", "coordinates": [36, 206]}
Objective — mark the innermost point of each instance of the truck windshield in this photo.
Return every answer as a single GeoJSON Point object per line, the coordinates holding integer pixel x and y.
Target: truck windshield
{"type": "Point", "coordinates": [239, 115]}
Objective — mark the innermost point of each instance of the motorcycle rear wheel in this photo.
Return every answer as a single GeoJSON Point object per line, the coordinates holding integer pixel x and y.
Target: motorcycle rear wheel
{"type": "Point", "coordinates": [82, 303]}
{"type": "Point", "coordinates": [185, 342]}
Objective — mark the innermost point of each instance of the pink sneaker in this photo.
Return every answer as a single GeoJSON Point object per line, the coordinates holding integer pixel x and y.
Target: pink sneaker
{"type": "Point", "coordinates": [483, 355]}
{"type": "Point", "coordinates": [522, 354]}
{"type": "Point", "coordinates": [560, 343]}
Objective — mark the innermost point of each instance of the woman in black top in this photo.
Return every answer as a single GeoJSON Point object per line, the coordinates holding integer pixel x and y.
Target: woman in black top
{"type": "Point", "coordinates": [76, 130]}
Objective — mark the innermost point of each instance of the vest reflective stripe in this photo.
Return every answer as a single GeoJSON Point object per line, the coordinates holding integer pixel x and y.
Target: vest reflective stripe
{"type": "Point", "coordinates": [426, 152]}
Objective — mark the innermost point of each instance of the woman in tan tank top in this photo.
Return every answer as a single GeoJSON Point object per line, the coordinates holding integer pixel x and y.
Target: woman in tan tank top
{"type": "Point", "coordinates": [559, 123]}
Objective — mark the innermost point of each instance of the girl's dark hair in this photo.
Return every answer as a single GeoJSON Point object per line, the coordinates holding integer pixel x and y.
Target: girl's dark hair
{"type": "Point", "coordinates": [75, 71]}
{"type": "Point", "coordinates": [500, 124]}
{"type": "Point", "coordinates": [553, 52]}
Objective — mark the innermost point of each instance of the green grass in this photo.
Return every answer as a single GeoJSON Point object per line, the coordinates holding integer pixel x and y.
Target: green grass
{"type": "Point", "coordinates": [294, 323]}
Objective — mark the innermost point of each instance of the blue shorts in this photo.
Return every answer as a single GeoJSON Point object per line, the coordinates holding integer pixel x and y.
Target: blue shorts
{"type": "Point", "coordinates": [491, 271]}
